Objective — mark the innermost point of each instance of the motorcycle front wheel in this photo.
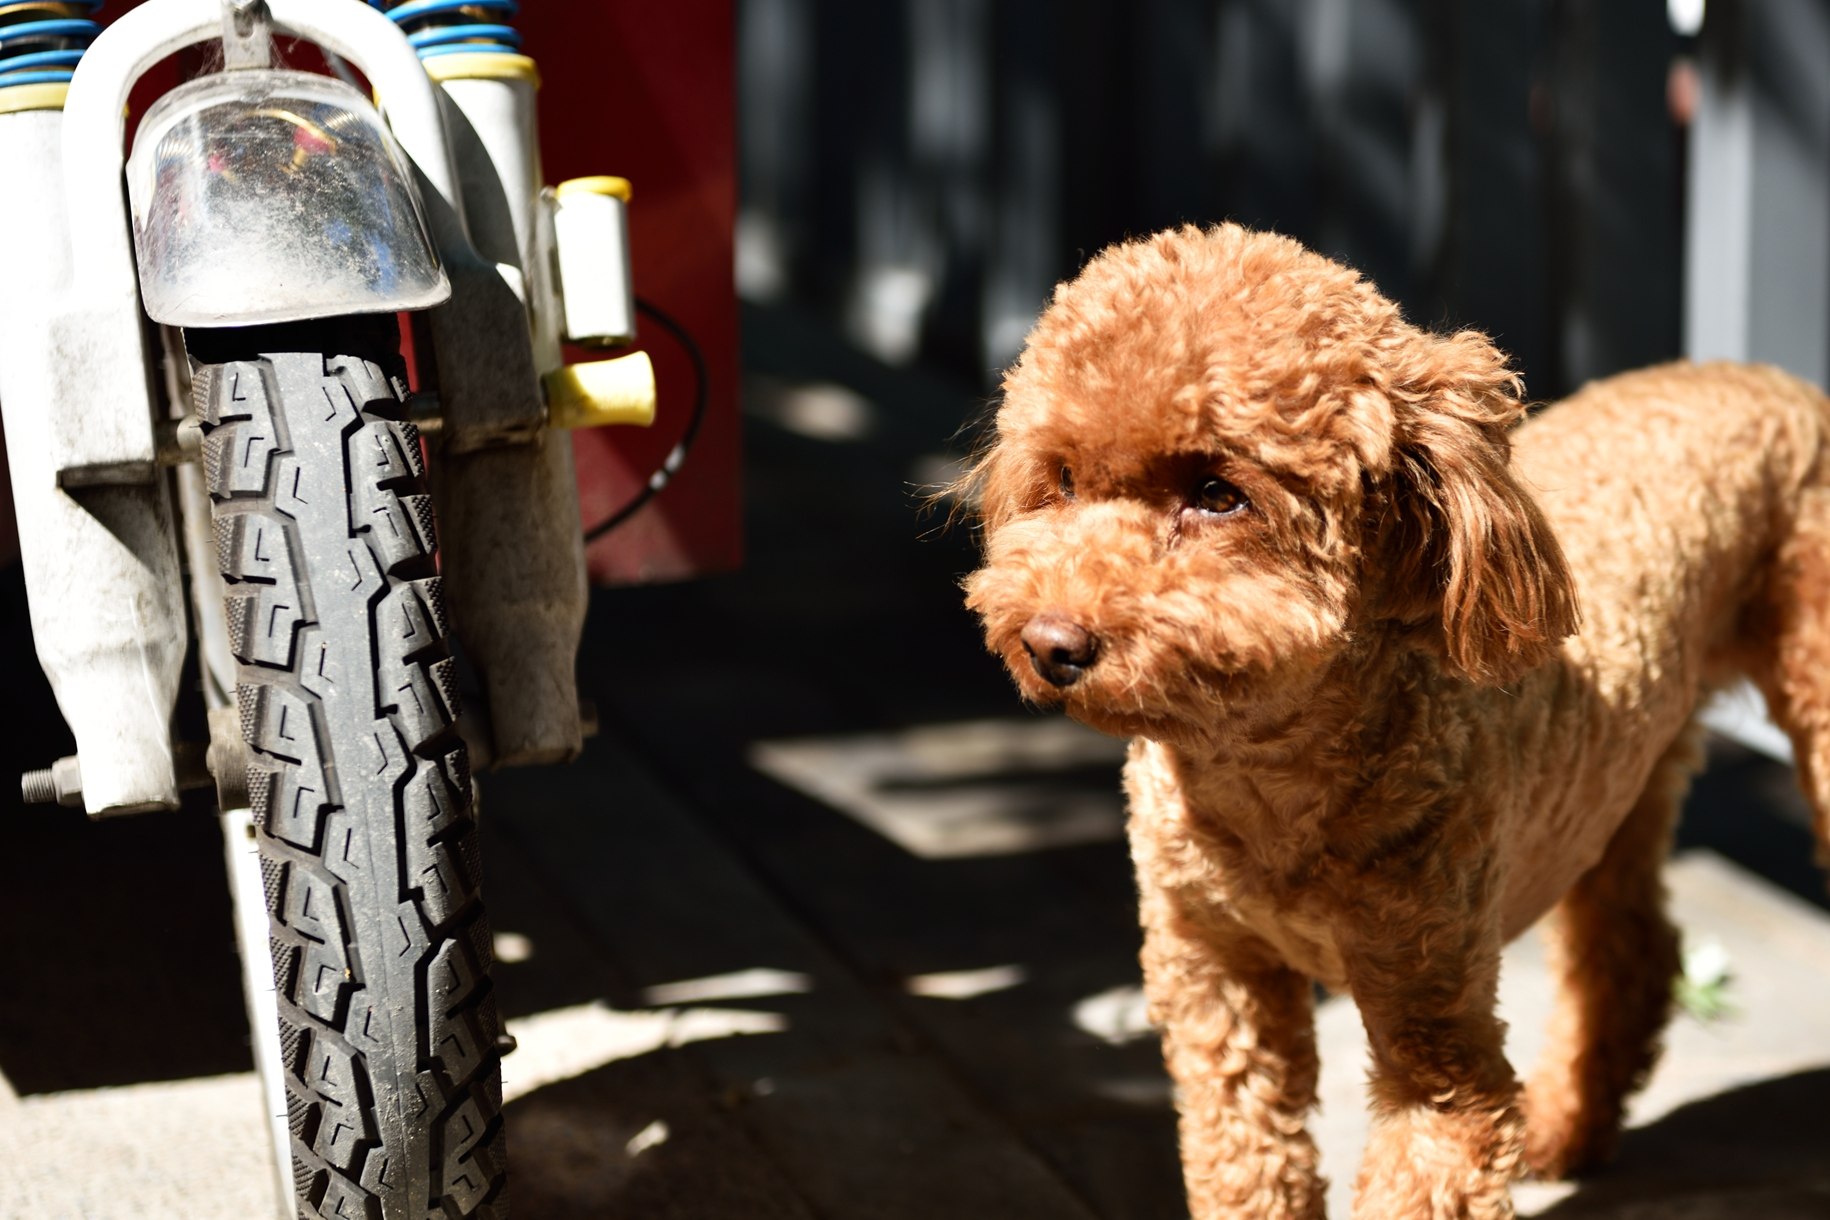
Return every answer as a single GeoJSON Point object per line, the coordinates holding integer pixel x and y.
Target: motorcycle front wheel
{"type": "Point", "coordinates": [358, 781]}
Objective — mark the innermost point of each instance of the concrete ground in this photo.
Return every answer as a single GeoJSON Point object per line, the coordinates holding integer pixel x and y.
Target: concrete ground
{"type": "Point", "coordinates": [825, 924]}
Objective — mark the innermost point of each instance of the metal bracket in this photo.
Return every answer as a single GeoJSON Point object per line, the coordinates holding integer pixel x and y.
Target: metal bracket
{"type": "Point", "coordinates": [179, 441]}
{"type": "Point", "coordinates": [62, 782]}
{"type": "Point", "coordinates": [227, 759]}
{"type": "Point", "coordinates": [247, 35]}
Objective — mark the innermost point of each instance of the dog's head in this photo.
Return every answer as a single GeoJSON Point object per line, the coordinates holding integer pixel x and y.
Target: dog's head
{"type": "Point", "coordinates": [1225, 466]}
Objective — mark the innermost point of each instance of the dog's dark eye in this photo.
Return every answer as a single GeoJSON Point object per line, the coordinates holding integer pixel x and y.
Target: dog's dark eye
{"type": "Point", "coordinates": [1216, 495]}
{"type": "Point", "coordinates": [1067, 483]}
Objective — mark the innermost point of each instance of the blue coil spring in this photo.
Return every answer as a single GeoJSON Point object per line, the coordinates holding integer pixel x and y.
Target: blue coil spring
{"type": "Point", "coordinates": [41, 43]}
{"type": "Point", "coordinates": [446, 27]}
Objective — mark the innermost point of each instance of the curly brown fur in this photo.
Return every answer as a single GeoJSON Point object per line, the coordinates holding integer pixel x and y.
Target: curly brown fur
{"type": "Point", "coordinates": [1239, 510]}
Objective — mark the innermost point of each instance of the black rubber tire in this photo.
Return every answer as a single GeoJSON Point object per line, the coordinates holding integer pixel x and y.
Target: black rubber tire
{"type": "Point", "coordinates": [359, 782]}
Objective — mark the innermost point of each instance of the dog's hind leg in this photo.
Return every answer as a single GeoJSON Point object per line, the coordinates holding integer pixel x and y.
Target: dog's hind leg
{"type": "Point", "coordinates": [1239, 1040]}
{"type": "Point", "coordinates": [1616, 957]}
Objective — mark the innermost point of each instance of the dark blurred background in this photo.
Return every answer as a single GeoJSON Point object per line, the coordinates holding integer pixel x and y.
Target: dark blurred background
{"type": "Point", "coordinates": [921, 174]}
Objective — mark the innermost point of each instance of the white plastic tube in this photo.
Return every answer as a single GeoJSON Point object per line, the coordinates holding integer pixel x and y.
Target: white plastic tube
{"type": "Point", "coordinates": [591, 222]}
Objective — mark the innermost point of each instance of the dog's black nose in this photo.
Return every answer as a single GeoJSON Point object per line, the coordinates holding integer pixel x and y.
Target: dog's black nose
{"type": "Point", "coordinates": [1058, 647]}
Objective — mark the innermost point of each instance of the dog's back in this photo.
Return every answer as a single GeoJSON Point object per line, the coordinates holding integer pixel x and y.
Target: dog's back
{"type": "Point", "coordinates": [1686, 498]}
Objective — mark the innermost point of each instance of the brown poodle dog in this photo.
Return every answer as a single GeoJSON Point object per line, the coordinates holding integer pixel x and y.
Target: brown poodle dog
{"type": "Point", "coordinates": [1400, 679]}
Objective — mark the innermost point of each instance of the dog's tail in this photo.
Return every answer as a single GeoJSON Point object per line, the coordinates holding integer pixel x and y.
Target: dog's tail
{"type": "Point", "coordinates": [1795, 675]}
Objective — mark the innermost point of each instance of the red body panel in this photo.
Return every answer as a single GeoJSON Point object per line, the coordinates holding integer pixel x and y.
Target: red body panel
{"type": "Point", "coordinates": [645, 91]}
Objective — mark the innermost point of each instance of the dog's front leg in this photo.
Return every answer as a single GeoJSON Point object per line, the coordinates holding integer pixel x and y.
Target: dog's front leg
{"type": "Point", "coordinates": [1447, 1138]}
{"type": "Point", "coordinates": [1239, 1039]}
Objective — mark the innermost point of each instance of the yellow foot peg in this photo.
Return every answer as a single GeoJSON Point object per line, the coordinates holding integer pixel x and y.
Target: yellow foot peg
{"type": "Point", "coordinates": [619, 391]}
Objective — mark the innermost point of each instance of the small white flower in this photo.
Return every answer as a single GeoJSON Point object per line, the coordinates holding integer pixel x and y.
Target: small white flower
{"type": "Point", "coordinates": [1702, 988]}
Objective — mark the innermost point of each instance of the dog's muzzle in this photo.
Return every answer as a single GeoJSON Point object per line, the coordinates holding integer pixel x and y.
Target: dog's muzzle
{"type": "Point", "coordinates": [1059, 649]}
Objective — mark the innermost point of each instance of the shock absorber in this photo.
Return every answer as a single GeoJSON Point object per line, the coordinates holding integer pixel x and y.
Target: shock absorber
{"type": "Point", "coordinates": [601, 309]}
{"type": "Point", "coordinates": [40, 44]}
{"type": "Point", "coordinates": [512, 542]}
{"type": "Point", "coordinates": [512, 550]}
{"type": "Point", "coordinates": [447, 27]}
{"type": "Point", "coordinates": [115, 673]}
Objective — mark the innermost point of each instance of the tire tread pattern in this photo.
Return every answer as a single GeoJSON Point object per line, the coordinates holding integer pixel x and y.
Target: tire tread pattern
{"type": "Point", "coordinates": [360, 787]}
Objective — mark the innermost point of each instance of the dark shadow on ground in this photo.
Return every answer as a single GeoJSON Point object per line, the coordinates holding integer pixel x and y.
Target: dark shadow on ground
{"type": "Point", "coordinates": [572, 1159]}
{"type": "Point", "coordinates": [118, 964]}
{"type": "Point", "coordinates": [1755, 1153]}
{"type": "Point", "coordinates": [848, 618]}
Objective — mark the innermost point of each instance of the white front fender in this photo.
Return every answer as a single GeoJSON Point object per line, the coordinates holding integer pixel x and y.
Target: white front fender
{"type": "Point", "coordinates": [103, 423]}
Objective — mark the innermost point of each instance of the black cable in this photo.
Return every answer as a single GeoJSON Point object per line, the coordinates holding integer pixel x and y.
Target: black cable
{"type": "Point", "coordinates": [676, 458]}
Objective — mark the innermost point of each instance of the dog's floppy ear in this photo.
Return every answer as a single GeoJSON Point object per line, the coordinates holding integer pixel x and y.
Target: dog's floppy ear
{"type": "Point", "coordinates": [1459, 531]}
